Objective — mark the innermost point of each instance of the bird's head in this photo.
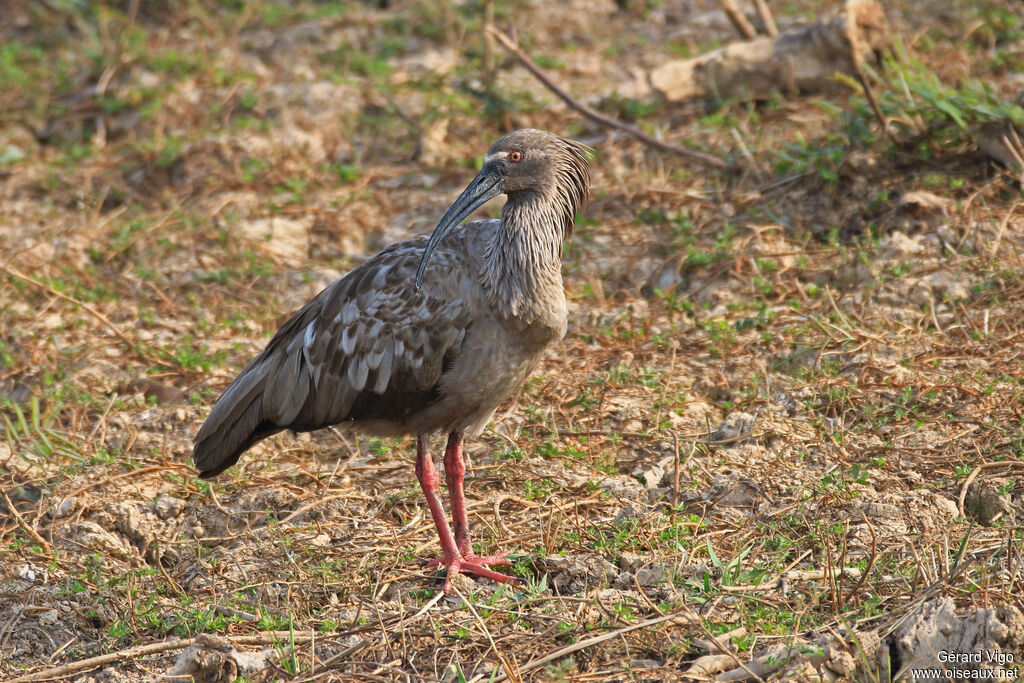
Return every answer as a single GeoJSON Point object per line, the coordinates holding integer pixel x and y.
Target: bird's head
{"type": "Point", "coordinates": [526, 165]}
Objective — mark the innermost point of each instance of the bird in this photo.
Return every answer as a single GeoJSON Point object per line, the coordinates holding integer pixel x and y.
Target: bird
{"type": "Point", "coordinates": [430, 335]}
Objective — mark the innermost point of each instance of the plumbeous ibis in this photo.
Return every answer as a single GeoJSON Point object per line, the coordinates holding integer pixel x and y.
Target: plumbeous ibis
{"type": "Point", "coordinates": [428, 335]}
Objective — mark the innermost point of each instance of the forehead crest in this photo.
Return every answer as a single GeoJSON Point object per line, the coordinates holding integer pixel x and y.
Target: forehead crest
{"type": "Point", "coordinates": [527, 138]}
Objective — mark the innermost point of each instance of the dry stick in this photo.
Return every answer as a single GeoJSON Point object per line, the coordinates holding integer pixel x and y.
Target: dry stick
{"type": "Point", "coordinates": [25, 525]}
{"type": "Point", "coordinates": [308, 506]}
{"type": "Point", "coordinates": [1002, 227]}
{"type": "Point", "coordinates": [344, 654]}
{"type": "Point", "coordinates": [738, 19]}
{"type": "Point", "coordinates": [588, 642]}
{"type": "Point", "coordinates": [725, 651]}
{"type": "Point", "coordinates": [86, 307]}
{"type": "Point", "coordinates": [599, 118]}
{"type": "Point", "coordinates": [871, 558]}
{"type": "Point", "coordinates": [862, 78]}
{"type": "Point", "coordinates": [266, 637]}
{"type": "Point", "coordinates": [66, 669]}
{"type": "Point", "coordinates": [130, 473]}
{"type": "Point", "coordinates": [510, 672]}
{"type": "Point", "coordinates": [766, 18]}
{"type": "Point", "coordinates": [963, 491]}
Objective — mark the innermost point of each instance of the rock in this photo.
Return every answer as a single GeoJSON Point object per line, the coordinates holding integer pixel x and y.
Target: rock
{"type": "Point", "coordinates": [734, 425]}
{"type": "Point", "coordinates": [576, 573]}
{"type": "Point", "coordinates": [630, 562]}
{"type": "Point", "coordinates": [32, 574]}
{"type": "Point", "coordinates": [623, 488]}
{"type": "Point", "coordinates": [946, 506]}
{"type": "Point", "coordinates": [650, 574]}
{"type": "Point", "coordinates": [284, 238]}
{"type": "Point", "coordinates": [93, 536]}
{"type": "Point", "coordinates": [628, 512]}
{"type": "Point", "coordinates": [66, 507]}
{"type": "Point", "coordinates": [129, 521]}
{"type": "Point", "coordinates": [986, 504]}
{"type": "Point", "coordinates": [728, 492]}
{"type": "Point", "coordinates": [899, 246]}
{"type": "Point", "coordinates": [215, 660]}
{"type": "Point", "coordinates": [152, 390]}
{"type": "Point", "coordinates": [654, 475]}
{"type": "Point", "coordinates": [935, 630]}
{"type": "Point", "coordinates": [166, 506]}
{"type": "Point", "coordinates": [948, 286]}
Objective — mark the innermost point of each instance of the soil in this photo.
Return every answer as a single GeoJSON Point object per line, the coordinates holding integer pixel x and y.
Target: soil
{"type": "Point", "coordinates": [782, 438]}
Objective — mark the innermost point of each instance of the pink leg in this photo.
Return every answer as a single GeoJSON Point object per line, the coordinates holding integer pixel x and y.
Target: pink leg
{"type": "Point", "coordinates": [454, 472]}
{"type": "Point", "coordinates": [429, 482]}
{"type": "Point", "coordinates": [456, 560]}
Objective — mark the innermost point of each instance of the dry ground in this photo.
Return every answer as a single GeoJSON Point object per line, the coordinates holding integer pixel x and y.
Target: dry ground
{"type": "Point", "coordinates": [788, 408]}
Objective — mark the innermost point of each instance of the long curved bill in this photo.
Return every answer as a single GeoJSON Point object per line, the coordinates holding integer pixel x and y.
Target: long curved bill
{"type": "Point", "coordinates": [484, 187]}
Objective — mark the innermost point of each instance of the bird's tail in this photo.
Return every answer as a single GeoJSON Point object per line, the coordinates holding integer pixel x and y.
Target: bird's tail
{"type": "Point", "coordinates": [236, 422]}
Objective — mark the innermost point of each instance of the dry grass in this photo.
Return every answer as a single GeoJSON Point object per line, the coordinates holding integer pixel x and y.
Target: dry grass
{"type": "Point", "coordinates": [788, 409]}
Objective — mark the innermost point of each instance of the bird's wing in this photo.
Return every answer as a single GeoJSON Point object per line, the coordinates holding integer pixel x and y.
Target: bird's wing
{"type": "Point", "coordinates": [366, 347]}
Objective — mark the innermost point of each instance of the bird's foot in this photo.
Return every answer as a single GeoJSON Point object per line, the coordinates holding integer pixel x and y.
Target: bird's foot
{"type": "Point", "coordinates": [486, 560]}
{"type": "Point", "coordinates": [473, 564]}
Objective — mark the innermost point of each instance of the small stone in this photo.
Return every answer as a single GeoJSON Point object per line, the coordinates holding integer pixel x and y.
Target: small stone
{"type": "Point", "coordinates": [734, 425]}
{"type": "Point", "coordinates": [645, 664]}
{"type": "Point", "coordinates": [986, 504]}
{"type": "Point", "coordinates": [321, 541]}
{"type": "Point", "coordinates": [650, 574]}
{"type": "Point", "coordinates": [946, 506]}
{"type": "Point", "coordinates": [630, 561]}
{"type": "Point", "coordinates": [66, 507]}
{"type": "Point", "coordinates": [167, 507]}
{"type": "Point", "coordinates": [626, 513]}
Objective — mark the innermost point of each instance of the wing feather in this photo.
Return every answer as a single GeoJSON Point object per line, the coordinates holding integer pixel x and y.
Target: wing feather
{"type": "Point", "coordinates": [366, 347]}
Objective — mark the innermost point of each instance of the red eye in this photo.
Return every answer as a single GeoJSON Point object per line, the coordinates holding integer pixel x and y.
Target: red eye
{"type": "Point", "coordinates": [515, 157]}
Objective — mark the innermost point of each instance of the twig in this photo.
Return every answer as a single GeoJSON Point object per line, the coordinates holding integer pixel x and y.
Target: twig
{"type": "Point", "coordinates": [130, 473]}
{"type": "Point", "coordinates": [766, 18]}
{"type": "Point", "coordinates": [588, 642]}
{"type": "Point", "coordinates": [510, 672]}
{"type": "Point", "coordinates": [87, 308]}
{"type": "Point", "coordinates": [870, 94]}
{"type": "Point", "coordinates": [25, 525]}
{"type": "Point", "coordinates": [963, 491]}
{"type": "Point", "coordinates": [347, 652]}
{"type": "Point", "coordinates": [63, 671]}
{"type": "Point", "coordinates": [738, 19]}
{"type": "Point", "coordinates": [725, 651]}
{"type": "Point", "coordinates": [308, 506]}
{"type": "Point", "coordinates": [599, 118]}
{"type": "Point", "coordinates": [675, 475]}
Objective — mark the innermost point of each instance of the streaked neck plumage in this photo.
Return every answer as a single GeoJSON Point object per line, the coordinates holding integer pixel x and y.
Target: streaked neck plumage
{"type": "Point", "coordinates": [522, 271]}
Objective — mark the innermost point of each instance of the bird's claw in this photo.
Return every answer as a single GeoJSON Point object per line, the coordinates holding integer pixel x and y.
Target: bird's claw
{"type": "Point", "coordinates": [486, 560]}
{"type": "Point", "coordinates": [476, 565]}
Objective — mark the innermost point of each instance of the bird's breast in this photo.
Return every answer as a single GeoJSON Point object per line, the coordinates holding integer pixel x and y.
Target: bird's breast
{"type": "Point", "coordinates": [494, 361]}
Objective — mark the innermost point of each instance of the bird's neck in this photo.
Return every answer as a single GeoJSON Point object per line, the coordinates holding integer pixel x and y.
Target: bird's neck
{"type": "Point", "coordinates": [523, 263]}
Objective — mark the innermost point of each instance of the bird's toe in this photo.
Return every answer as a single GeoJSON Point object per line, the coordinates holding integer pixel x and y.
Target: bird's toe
{"type": "Point", "coordinates": [477, 566]}
{"type": "Point", "coordinates": [489, 560]}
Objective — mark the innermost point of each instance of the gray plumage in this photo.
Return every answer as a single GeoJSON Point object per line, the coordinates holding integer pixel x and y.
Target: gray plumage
{"type": "Point", "coordinates": [427, 335]}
